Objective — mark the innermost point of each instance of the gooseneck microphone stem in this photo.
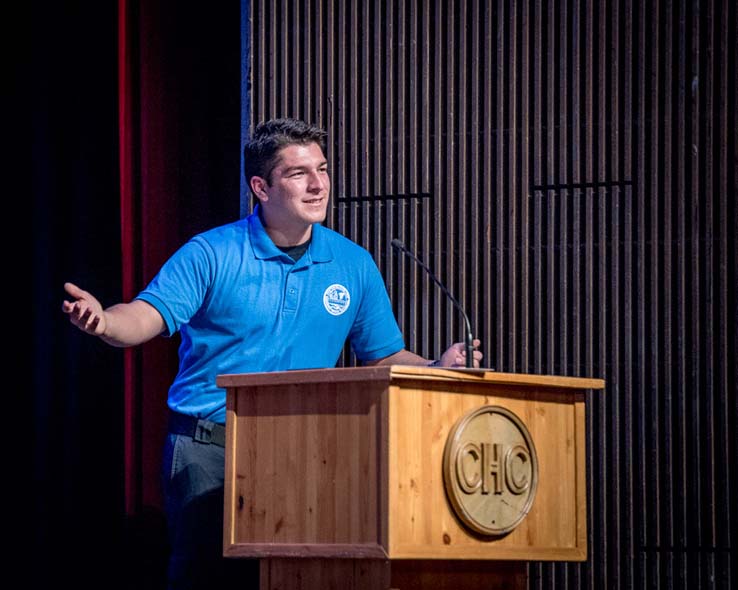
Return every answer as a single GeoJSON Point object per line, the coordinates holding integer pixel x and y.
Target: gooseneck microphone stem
{"type": "Point", "coordinates": [469, 345]}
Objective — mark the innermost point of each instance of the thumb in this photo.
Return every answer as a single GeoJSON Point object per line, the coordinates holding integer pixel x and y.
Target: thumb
{"type": "Point", "coordinates": [73, 290]}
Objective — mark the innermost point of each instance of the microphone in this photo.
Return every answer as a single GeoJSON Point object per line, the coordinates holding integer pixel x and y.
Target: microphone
{"type": "Point", "coordinates": [398, 245]}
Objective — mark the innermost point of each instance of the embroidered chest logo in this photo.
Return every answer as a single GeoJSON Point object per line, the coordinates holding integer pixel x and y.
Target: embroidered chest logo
{"type": "Point", "coordinates": [336, 299]}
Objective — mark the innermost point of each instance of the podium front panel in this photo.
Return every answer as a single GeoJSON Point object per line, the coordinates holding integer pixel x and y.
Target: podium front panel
{"type": "Point", "coordinates": [423, 522]}
{"type": "Point", "coordinates": [348, 463]}
{"type": "Point", "coordinates": [307, 470]}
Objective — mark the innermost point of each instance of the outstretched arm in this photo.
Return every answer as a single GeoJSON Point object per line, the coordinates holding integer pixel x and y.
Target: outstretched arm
{"type": "Point", "coordinates": [124, 324]}
{"type": "Point", "coordinates": [455, 356]}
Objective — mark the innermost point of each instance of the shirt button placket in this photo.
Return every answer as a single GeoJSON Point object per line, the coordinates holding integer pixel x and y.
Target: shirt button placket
{"type": "Point", "coordinates": [290, 298]}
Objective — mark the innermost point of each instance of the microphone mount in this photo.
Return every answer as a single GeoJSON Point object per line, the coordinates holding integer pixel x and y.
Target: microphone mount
{"type": "Point", "coordinates": [469, 344]}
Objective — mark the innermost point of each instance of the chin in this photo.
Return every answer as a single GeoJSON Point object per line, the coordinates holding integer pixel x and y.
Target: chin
{"type": "Point", "coordinates": [316, 215]}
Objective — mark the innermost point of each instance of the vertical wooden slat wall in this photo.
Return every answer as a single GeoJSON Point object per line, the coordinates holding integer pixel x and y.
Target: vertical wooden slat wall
{"type": "Point", "coordinates": [568, 169]}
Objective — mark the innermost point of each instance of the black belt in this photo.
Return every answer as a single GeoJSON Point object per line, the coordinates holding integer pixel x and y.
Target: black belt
{"type": "Point", "coordinates": [201, 430]}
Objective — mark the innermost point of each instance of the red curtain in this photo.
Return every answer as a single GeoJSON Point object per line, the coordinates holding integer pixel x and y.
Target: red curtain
{"type": "Point", "coordinates": [179, 129]}
{"type": "Point", "coordinates": [149, 235]}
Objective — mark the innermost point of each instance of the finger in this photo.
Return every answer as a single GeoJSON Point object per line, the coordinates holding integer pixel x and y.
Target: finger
{"type": "Point", "coordinates": [92, 321]}
{"type": "Point", "coordinates": [76, 308]}
{"type": "Point", "coordinates": [83, 315]}
{"type": "Point", "coordinates": [92, 326]}
{"type": "Point", "coordinates": [74, 290]}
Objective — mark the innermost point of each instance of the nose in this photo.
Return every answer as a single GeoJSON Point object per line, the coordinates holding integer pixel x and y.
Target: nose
{"type": "Point", "coordinates": [317, 181]}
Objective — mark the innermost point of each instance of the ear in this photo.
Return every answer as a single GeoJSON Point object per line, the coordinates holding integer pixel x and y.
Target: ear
{"type": "Point", "coordinates": [258, 187]}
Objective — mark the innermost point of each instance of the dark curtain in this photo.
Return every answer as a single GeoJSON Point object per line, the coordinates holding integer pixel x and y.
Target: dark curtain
{"type": "Point", "coordinates": [133, 132]}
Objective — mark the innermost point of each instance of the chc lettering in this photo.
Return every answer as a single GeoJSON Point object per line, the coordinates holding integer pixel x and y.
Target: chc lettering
{"type": "Point", "coordinates": [478, 465]}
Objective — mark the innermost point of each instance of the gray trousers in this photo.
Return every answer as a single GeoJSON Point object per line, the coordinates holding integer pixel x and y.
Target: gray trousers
{"type": "Point", "coordinates": [193, 477]}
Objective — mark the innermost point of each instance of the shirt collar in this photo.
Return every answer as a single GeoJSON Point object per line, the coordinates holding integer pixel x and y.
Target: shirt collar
{"type": "Point", "coordinates": [319, 249]}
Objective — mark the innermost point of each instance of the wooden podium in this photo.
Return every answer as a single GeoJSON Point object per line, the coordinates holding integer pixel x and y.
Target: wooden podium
{"type": "Point", "coordinates": [339, 478]}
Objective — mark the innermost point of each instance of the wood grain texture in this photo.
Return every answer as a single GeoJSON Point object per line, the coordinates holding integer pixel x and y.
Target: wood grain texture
{"type": "Point", "coordinates": [304, 469]}
{"type": "Point", "coordinates": [372, 574]}
{"type": "Point", "coordinates": [422, 521]}
{"type": "Point", "coordinates": [325, 574]}
{"type": "Point", "coordinates": [348, 463]}
{"type": "Point", "coordinates": [335, 479]}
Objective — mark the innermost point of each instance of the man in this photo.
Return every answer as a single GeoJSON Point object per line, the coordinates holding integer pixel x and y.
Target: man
{"type": "Point", "coordinates": [275, 291]}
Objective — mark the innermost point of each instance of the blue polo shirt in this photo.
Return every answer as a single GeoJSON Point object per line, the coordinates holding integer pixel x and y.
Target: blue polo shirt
{"type": "Point", "coordinates": [241, 305]}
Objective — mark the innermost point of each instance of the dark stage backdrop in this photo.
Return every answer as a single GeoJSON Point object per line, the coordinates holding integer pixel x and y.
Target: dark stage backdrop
{"type": "Point", "coordinates": [568, 168]}
{"type": "Point", "coordinates": [180, 136]}
{"type": "Point", "coordinates": [134, 124]}
{"type": "Point", "coordinates": [69, 87]}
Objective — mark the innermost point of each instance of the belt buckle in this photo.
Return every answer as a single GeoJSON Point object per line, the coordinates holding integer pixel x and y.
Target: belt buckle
{"type": "Point", "coordinates": [204, 431]}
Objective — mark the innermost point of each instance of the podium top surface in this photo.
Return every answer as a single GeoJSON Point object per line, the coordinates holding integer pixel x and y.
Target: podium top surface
{"type": "Point", "coordinates": [402, 372]}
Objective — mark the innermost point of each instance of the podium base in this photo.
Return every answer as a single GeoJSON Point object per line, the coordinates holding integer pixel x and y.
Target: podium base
{"type": "Point", "coordinates": [374, 574]}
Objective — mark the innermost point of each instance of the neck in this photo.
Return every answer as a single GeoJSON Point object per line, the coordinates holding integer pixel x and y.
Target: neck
{"type": "Point", "coordinates": [285, 237]}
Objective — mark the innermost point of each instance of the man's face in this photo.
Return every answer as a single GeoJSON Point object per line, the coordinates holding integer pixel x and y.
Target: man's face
{"type": "Point", "coordinates": [299, 188]}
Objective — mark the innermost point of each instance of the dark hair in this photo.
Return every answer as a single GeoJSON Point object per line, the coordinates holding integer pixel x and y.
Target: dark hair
{"type": "Point", "coordinates": [260, 154]}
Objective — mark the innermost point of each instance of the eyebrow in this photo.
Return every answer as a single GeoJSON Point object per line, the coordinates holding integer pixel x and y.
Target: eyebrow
{"type": "Point", "coordinates": [290, 169]}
